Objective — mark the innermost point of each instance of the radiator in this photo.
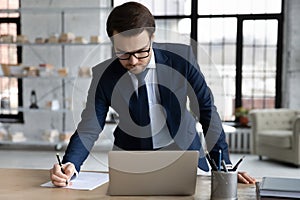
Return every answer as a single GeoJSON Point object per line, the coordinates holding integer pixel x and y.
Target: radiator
{"type": "Point", "coordinates": [239, 141]}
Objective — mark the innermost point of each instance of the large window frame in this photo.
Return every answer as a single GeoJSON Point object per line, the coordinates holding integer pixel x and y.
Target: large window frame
{"type": "Point", "coordinates": [241, 18]}
{"type": "Point", "coordinates": [11, 117]}
{"type": "Point", "coordinates": [194, 16]}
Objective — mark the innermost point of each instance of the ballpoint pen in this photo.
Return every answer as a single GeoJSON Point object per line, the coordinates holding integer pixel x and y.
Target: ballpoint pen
{"type": "Point", "coordinates": [224, 165]}
{"type": "Point", "coordinates": [61, 167]}
{"type": "Point", "coordinates": [211, 162]}
{"type": "Point", "coordinates": [237, 164]}
{"type": "Point", "coordinates": [220, 159]}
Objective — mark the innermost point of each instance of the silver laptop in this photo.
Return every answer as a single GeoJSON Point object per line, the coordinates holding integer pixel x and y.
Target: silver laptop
{"type": "Point", "coordinates": [152, 172]}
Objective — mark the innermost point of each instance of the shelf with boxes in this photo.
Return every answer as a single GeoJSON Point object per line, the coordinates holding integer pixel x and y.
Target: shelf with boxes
{"type": "Point", "coordinates": [42, 71]}
{"type": "Point", "coordinates": [59, 46]}
{"type": "Point", "coordinates": [37, 74]}
{"type": "Point", "coordinates": [48, 138]}
{"type": "Point", "coordinates": [59, 35]}
{"type": "Point", "coordinates": [65, 39]}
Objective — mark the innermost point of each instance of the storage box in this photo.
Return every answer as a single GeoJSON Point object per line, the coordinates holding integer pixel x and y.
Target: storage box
{"type": "Point", "coordinates": [5, 69]}
{"type": "Point", "coordinates": [22, 39]}
{"type": "Point", "coordinates": [6, 38]}
{"type": "Point", "coordinates": [66, 38]}
{"type": "Point", "coordinates": [12, 70]}
{"type": "Point", "coordinates": [65, 136]}
{"type": "Point", "coordinates": [39, 40]}
{"type": "Point", "coordinates": [95, 39]}
{"type": "Point", "coordinates": [80, 40]}
{"type": "Point", "coordinates": [62, 72]}
{"type": "Point", "coordinates": [50, 135]}
{"type": "Point", "coordinates": [17, 137]}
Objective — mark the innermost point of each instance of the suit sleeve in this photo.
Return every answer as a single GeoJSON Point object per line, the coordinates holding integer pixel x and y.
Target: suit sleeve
{"type": "Point", "coordinates": [91, 124]}
{"type": "Point", "coordinates": [203, 108]}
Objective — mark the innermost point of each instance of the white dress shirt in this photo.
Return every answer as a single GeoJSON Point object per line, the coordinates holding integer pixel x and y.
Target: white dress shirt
{"type": "Point", "coordinates": [160, 133]}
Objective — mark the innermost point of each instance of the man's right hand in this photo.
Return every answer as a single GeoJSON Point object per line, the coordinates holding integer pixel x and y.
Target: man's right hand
{"type": "Point", "coordinates": [60, 179]}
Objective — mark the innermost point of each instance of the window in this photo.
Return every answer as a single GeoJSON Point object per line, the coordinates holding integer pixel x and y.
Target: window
{"type": "Point", "coordinates": [243, 43]}
{"type": "Point", "coordinates": [259, 63]}
{"type": "Point", "coordinates": [10, 87]}
{"type": "Point", "coordinates": [239, 47]}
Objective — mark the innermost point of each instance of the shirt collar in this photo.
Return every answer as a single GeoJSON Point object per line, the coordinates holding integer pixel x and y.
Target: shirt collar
{"type": "Point", "coordinates": [152, 60]}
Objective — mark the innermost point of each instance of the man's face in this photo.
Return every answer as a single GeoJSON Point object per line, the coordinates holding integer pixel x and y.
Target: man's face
{"type": "Point", "coordinates": [134, 51]}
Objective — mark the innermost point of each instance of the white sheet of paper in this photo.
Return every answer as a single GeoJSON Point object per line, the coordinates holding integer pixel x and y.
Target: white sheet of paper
{"type": "Point", "coordinates": [203, 173]}
{"type": "Point", "coordinates": [85, 181]}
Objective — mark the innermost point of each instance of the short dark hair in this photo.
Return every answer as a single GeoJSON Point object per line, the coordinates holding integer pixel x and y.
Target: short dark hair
{"type": "Point", "coordinates": [130, 16]}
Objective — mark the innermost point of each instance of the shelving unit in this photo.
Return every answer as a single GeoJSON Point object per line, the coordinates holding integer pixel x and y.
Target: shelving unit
{"type": "Point", "coordinates": [61, 54]}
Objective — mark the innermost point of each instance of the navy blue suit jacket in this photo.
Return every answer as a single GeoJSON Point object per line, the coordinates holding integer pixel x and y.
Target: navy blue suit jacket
{"type": "Point", "coordinates": [178, 77]}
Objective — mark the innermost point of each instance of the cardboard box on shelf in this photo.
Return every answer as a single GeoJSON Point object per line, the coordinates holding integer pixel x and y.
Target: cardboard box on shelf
{"type": "Point", "coordinates": [7, 38]}
{"type": "Point", "coordinates": [84, 72]}
{"type": "Point", "coordinates": [51, 135]}
{"type": "Point", "coordinates": [62, 72]}
{"type": "Point", "coordinates": [65, 136]}
{"type": "Point", "coordinates": [95, 39]}
{"type": "Point", "coordinates": [53, 39]}
{"type": "Point", "coordinates": [80, 40]}
{"type": "Point", "coordinates": [12, 69]}
{"type": "Point", "coordinates": [3, 134]}
{"type": "Point", "coordinates": [17, 136]}
{"type": "Point", "coordinates": [46, 69]}
{"type": "Point", "coordinates": [66, 38]}
{"type": "Point", "coordinates": [22, 39]}
{"type": "Point", "coordinates": [39, 40]}
{"type": "Point", "coordinates": [31, 71]}
{"type": "Point", "coordinates": [5, 69]}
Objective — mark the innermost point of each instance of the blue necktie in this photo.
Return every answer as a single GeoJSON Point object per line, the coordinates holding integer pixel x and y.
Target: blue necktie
{"type": "Point", "coordinates": [140, 112]}
{"type": "Point", "coordinates": [142, 99]}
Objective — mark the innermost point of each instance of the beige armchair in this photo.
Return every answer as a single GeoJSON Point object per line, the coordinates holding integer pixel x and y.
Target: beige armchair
{"type": "Point", "coordinates": [276, 134]}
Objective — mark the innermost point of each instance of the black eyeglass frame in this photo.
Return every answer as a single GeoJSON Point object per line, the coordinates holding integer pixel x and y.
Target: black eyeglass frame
{"type": "Point", "coordinates": [133, 53]}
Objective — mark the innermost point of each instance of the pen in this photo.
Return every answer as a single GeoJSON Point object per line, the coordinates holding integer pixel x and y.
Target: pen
{"type": "Point", "coordinates": [214, 164]}
{"type": "Point", "coordinates": [211, 162]}
{"type": "Point", "coordinates": [220, 159]}
{"type": "Point", "coordinates": [61, 167]}
{"type": "Point", "coordinates": [237, 164]}
{"type": "Point", "coordinates": [224, 165]}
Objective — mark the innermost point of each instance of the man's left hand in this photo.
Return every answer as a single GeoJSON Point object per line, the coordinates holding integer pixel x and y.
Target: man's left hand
{"type": "Point", "coordinates": [243, 177]}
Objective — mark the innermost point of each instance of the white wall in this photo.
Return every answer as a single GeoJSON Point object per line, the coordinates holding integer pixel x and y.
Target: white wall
{"type": "Point", "coordinates": [291, 58]}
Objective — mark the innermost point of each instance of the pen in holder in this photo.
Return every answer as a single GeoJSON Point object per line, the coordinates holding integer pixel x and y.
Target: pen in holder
{"type": "Point", "coordinates": [223, 185]}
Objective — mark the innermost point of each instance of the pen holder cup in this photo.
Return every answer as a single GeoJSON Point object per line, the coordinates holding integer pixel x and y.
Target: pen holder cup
{"type": "Point", "coordinates": [224, 185]}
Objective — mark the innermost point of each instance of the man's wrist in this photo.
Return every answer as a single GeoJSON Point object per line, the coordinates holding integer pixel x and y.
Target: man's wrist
{"type": "Point", "coordinates": [75, 175]}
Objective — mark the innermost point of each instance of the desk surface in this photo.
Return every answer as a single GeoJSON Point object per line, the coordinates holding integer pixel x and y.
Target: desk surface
{"type": "Point", "coordinates": [25, 184]}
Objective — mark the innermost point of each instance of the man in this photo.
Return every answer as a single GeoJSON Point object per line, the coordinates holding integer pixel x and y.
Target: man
{"type": "Point", "coordinates": [147, 84]}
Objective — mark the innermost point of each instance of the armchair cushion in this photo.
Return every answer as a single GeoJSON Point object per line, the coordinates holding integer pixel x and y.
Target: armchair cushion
{"type": "Point", "coordinates": [276, 120]}
{"type": "Point", "coordinates": [276, 138]}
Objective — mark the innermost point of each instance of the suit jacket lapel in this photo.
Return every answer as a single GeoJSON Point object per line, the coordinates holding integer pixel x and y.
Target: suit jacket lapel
{"type": "Point", "coordinates": [165, 78]}
{"type": "Point", "coordinates": [164, 74]}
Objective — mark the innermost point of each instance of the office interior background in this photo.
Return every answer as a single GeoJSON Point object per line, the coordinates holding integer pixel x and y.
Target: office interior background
{"type": "Point", "coordinates": [248, 51]}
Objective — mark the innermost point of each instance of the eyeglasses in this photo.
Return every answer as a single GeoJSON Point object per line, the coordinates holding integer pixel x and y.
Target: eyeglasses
{"type": "Point", "coordinates": [138, 54]}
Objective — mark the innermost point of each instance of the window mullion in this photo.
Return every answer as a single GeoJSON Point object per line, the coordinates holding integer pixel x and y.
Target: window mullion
{"type": "Point", "coordinates": [239, 63]}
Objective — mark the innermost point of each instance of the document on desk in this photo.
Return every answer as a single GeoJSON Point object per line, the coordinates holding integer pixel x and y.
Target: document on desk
{"type": "Point", "coordinates": [85, 181]}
